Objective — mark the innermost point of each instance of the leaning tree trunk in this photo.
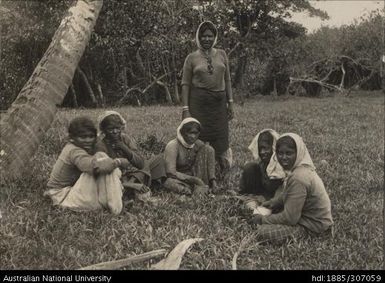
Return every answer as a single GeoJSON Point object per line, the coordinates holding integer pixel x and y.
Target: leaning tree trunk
{"type": "Point", "coordinates": [31, 114]}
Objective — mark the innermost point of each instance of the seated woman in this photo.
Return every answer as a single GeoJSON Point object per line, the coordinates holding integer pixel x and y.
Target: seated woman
{"type": "Point", "coordinates": [136, 177]}
{"type": "Point", "coordinates": [306, 204]}
{"type": "Point", "coordinates": [262, 177]}
{"type": "Point", "coordinates": [190, 163]}
{"type": "Point", "coordinates": [81, 180]}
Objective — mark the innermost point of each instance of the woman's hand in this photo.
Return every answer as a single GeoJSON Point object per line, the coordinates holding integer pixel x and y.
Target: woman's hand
{"type": "Point", "coordinates": [144, 189]}
{"type": "Point", "coordinates": [230, 111]}
{"type": "Point", "coordinates": [105, 165]}
{"type": "Point", "coordinates": [194, 181]}
{"type": "Point", "coordinates": [268, 204]}
{"type": "Point", "coordinates": [123, 162]}
{"type": "Point", "coordinates": [255, 219]}
{"type": "Point", "coordinates": [120, 145]}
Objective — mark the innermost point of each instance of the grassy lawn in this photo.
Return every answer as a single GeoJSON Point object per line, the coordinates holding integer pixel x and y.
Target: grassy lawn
{"type": "Point", "coordinates": [346, 132]}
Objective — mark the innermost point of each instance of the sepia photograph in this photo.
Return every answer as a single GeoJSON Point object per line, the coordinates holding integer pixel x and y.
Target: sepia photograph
{"type": "Point", "coordinates": [191, 135]}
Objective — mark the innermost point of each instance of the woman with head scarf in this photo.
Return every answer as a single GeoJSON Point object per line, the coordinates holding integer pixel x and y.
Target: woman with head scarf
{"type": "Point", "coordinates": [207, 94]}
{"type": "Point", "coordinates": [264, 175]}
{"type": "Point", "coordinates": [190, 163]}
{"type": "Point", "coordinates": [136, 176]}
{"type": "Point", "coordinates": [306, 204]}
{"type": "Point", "coordinates": [262, 178]}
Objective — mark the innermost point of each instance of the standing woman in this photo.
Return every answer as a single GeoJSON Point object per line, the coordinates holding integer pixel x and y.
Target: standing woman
{"type": "Point", "coordinates": [207, 94]}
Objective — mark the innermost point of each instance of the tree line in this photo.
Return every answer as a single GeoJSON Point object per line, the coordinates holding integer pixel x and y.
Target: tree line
{"type": "Point", "coordinates": [136, 52]}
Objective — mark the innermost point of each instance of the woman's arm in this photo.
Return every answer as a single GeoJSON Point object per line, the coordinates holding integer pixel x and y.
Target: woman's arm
{"type": "Point", "coordinates": [293, 204]}
{"type": "Point", "coordinates": [82, 160]}
{"type": "Point", "coordinates": [170, 157]}
{"type": "Point", "coordinates": [185, 97]}
{"type": "Point", "coordinates": [128, 148]}
{"type": "Point", "coordinates": [186, 86]}
{"type": "Point", "coordinates": [90, 164]}
{"type": "Point", "coordinates": [228, 88]}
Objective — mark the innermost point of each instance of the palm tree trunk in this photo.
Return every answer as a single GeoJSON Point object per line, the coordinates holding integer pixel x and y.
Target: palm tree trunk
{"type": "Point", "coordinates": [31, 114]}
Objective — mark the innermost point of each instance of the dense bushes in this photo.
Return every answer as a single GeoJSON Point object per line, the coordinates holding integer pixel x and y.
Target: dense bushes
{"type": "Point", "coordinates": [137, 51]}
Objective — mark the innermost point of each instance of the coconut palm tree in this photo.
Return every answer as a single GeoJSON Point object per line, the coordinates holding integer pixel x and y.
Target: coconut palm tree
{"type": "Point", "coordinates": [24, 124]}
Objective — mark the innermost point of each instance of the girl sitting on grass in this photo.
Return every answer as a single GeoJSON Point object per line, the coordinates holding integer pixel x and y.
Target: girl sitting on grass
{"type": "Point", "coordinates": [81, 180]}
{"type": "Point", "coordinates": [261, 178]}
{"type": "Point", "coordinates": [136, 177]}
{"type": "Point", "coordinates": [306, 204]}
{"type": "Point", "coordinates": [190, 163]}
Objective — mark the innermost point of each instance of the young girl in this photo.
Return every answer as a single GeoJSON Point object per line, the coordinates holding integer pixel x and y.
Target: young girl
{"type": "Point", "coordinates": [136, 177]}
{"type": "Point", "coordinates": [306, 204]}
{"type": "Point", "coordinates": [80, 180]}
{"type": "Point", "coordinates": [190, 163]}
{"type": "Point", "coordinates": [263, 176]}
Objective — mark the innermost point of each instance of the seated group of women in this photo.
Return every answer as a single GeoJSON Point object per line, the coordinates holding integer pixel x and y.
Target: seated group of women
{"type": "Point", "coordinates": [281, 186]}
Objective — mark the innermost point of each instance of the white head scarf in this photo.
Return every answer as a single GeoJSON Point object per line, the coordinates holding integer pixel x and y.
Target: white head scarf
{"type": "Point", "coordinates": [179, 134]}
{"type": "Point", "coordinates": [274, 170]}
{"type": "Point", "coordinates": [303, 157]}
{"type": "Point", "coordinates": [197, 35]}
{"type": "Point", "coordinates": [109, 113]}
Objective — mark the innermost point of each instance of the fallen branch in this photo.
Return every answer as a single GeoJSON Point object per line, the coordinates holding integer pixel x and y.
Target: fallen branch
{"type": "Point", "coordinates": [327, 75]}
{"type": "Point", "coordinates": [356, 61]}
{"type": "Point", "coordinates": [337, 58]}
{"type": "Point", "coordinates": [128, 93]}
{"type": "Point", "coordinates": [323, 84]}
{"type": "Point", "coordinates": [343, 76]}
{"type": "Point", "coordinates": [142, 92]}
{"type": "Point", "coordinates": [174, 258]}
{"type": "Point", "coordinates": [165, 87]}
{"type": "Point", "coordinates": [116, 264]}
{"type": "Point", "coordinates": [154, 82]}
{"type": "Point", "coordinates": [244, 242]}
{"type": "Point", "coordinates": [362, 81]}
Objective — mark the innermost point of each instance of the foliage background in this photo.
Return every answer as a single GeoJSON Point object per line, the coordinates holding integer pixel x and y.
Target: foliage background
{"type": "Point", "coordinates": [135, 42]}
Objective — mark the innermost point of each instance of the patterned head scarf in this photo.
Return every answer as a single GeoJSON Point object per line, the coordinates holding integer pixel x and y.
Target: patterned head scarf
{"type": "Point", "coordinates": [274, 170]}
{"type": "Point", "coordinates": [303, 157]}
{"type": "Point", "coordinates": [198, 31]}
{"type": "Point", "coordinates": [179, 134]}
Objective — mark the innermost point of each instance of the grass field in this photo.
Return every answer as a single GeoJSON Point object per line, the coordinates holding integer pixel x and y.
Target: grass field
{"type": "Point", "coordinates": [346, 132]}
